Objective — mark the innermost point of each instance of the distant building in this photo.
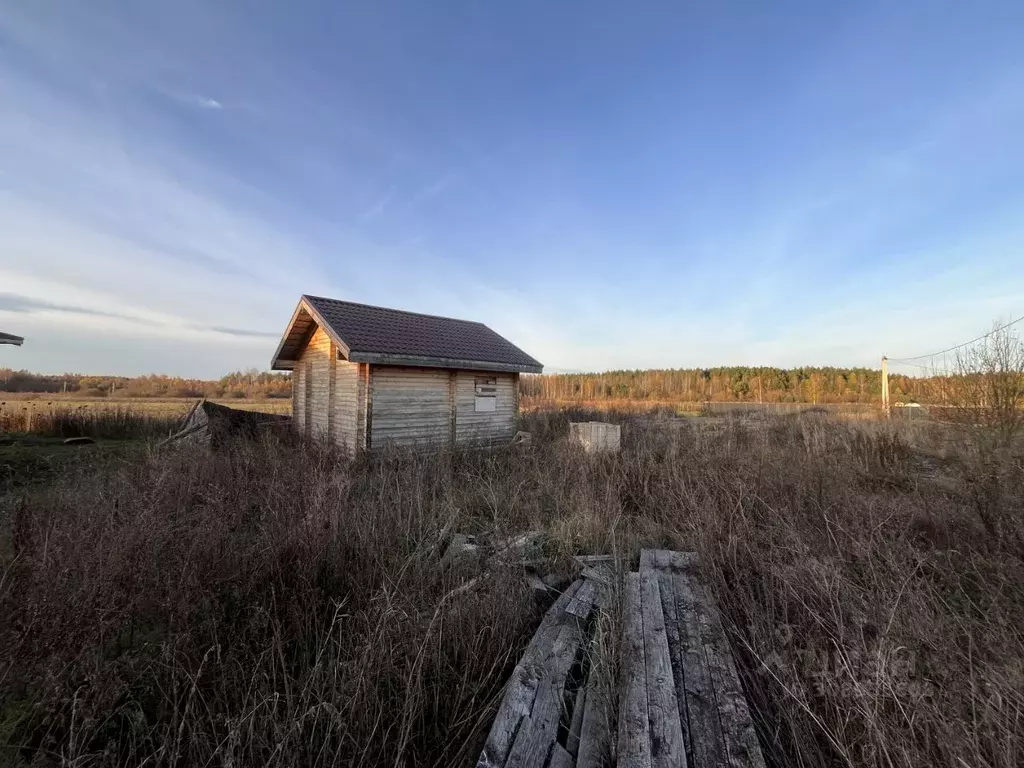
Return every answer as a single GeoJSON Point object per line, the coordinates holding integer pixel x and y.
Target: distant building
{"type": "Point", "coordinates": [365, 376]}
{"type": "Point", "coordinates": [10, 338]}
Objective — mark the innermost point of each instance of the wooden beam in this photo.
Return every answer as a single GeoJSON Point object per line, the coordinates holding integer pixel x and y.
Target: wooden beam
{"type": "Point", "coordinates": [712, 705]}
{"type": "Point", "coordinates": [667, 746]}
{"type": "Point", "coordinates": [582, 605]}
{"type": "Point", "coordinates": [579, 707]}
{"type": "Point", "coordinates": [707, 741]}
{"type": "Point", "coordinates": [659, 560]}
{"type": "Point", "coordinates": [634, 717]}
{"type": "Point", "coordinates": [595, 742]}
{"type": "Point", "coordinates": [738, 733]}
{"type": "Point", "coordinates": [537, 738]}
{"type": "Point", "coordinates": [523, 688]}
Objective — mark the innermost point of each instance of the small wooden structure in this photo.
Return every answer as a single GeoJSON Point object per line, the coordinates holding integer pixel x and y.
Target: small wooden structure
{"type": "Point", "coordinates": [679, 697]}
{"type": "Point", "coordinates": [366, 376]}
{"type": "Point", "coordinates": [596, 436]}
{"type": "Point", "coordinates": [10, 338]}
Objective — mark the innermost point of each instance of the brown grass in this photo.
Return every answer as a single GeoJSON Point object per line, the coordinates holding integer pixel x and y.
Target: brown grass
{"type": "Point", "coordinates": [55, 416]}
{"type": "Point", "coordinates": [275, 604]}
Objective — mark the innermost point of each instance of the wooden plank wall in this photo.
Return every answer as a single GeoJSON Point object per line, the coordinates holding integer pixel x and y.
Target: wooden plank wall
{"type": "Point", "coordinates": [497, 426]}
{"type": "Point", "coordinates": [410, 406]}
{"type": "Point", "coordinates": [299, 397]}
{"type": "Point", "coordinates": [346, 404]}
{"type": "Point", "coordinates": [317, 355]}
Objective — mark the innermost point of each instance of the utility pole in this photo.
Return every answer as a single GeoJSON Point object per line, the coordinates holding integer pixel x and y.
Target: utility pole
{"type": "Point", "coordinates": [885, 385]}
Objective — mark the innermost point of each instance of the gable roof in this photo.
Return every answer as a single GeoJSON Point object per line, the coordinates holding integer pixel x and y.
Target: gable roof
{"type": "Point", "coordinates": [368, 334]}
{"type": "Point", "coordinates": [10, 338]}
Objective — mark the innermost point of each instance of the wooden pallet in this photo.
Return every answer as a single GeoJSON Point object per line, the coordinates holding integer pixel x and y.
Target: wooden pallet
{"type": "Point", "coordinates": [679, 698]}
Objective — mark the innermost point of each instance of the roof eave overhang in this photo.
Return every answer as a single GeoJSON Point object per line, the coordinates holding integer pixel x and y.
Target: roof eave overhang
{"type": "Point", "coordinates": [16, 341]}
{"type": "Point", "coordinates": [287, 353]}
{"type": "Point", "coordinates": [378, 358]}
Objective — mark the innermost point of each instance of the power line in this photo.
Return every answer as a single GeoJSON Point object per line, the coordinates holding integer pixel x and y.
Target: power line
{"type": "Point", "coordinates": [958, 346]}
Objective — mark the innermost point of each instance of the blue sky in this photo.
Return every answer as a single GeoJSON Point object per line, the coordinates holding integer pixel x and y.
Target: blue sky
{"type": "Point", "coordinates": [607, 184]}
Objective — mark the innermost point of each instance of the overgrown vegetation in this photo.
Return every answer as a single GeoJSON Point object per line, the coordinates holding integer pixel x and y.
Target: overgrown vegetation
{"type": "Point", "coordinates": [108, 419]}
{"type": "Point", "coordinates": [990, 387]}
{"type": "Point", "coordinates": [275, 604]}
{"type": "Point", "coordinates": [118, 422]}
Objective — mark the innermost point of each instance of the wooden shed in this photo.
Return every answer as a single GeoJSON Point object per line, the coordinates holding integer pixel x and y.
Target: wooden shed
{"type": "Point", "coordinates": [365, 376]}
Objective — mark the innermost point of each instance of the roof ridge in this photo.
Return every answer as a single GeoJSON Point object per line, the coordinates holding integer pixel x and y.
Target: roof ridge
{"type": "Point", "coordinates": [392, 309]}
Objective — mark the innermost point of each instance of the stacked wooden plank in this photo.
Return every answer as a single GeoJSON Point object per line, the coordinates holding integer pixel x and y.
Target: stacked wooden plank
{"type": "Point", "coordinates": [543, 719]}
{"type": "Point", "coordinates": [679, 698]}
{"type": "Point", "coordinates": [696, 713]}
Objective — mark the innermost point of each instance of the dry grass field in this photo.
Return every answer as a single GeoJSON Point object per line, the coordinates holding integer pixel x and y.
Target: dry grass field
{"type": "Point", "coordinates": [277, 604]}
{"type": "Point", "coordinates": [69, 416]}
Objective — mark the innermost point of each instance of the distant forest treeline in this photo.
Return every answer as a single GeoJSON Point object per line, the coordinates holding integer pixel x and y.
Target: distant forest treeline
{"type": "Point", "coordinates": [735, 384]}
{"type": "Point", "coordinates": [241, 384]}
{"type": "Point", "coordinates": [732, 384]}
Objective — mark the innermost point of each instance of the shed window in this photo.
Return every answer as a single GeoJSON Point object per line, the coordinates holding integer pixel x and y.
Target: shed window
{"type": "Point", "coordinates": [486, 394]}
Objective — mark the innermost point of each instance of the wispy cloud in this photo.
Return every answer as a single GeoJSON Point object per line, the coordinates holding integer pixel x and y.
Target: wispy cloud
{"type": "Point", "coordinates": [19, 304]}
{"type": "Point", "coordinates": [12, 302]}
{"type": "Point", "coordinates": [206, 102]}
{"type": "Point", "coordinates": [245, 332]}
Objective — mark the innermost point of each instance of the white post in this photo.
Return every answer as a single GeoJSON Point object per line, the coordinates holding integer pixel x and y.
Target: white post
{"type": "Point", "coordinates": [885, 385]}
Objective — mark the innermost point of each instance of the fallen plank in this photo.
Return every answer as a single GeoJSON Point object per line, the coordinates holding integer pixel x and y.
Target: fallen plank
{"type": "Point", "coordinates": [522, 689]}
{"type": "Point", "coordinates": [595, 740]}
{"type": "Point", "coordinates": [694, 685]}
{"type": "Point", "coordinates": [634, 718]}
{"type": "Point", "coordinates": [658, 562]}
{"type": "Point", "coordinates": [537, 743]}
{"type": "Point", "coordinates": [667, 746]}
{"type": "Point", "coordinates": [739, 735]}
{"type": "Point", "coordinates": [721, 712]}
{"type": "Point", "coordinates": [572, 739]}
{"type": "Point", "coordinates": [582, 603]}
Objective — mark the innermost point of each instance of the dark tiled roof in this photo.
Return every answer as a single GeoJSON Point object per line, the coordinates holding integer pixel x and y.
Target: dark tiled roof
{"type": "Point", "coordinates": [377, 331]}
{"type": "Point", "coordinates": [10, 338]}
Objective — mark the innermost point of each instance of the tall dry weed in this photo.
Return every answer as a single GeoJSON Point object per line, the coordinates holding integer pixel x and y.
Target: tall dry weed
{"type": "Point", "coordinates": [279, 604]}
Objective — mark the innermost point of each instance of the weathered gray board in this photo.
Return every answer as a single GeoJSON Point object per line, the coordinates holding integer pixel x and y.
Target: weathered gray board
{"type": "Point", "coordinates": [716, 722]}
{"type": "Point", "coordinates": [526, 729]}
{"type": "Point", "coordinates": [680, 702]}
